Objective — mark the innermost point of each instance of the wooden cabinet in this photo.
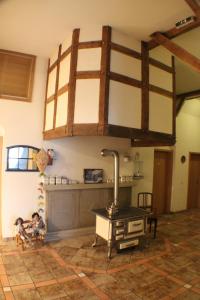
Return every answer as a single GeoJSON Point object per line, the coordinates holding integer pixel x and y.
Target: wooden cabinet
{"type": "Point", "coordinates": [70, 209]}
{"type": "Point", "coordinates": [62, 210]}
{"type": "Point", "coordinates": [106, 83]}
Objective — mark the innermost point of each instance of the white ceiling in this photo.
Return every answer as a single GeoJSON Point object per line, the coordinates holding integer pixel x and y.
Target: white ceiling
{"type": "Point", "coordinates": [38, 26]}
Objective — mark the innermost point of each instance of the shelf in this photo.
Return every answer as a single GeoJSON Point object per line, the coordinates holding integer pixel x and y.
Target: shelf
{"type": "Point", "coordinates": [84, 186]}
{"type": "Point", "coordinates": [137, 177]}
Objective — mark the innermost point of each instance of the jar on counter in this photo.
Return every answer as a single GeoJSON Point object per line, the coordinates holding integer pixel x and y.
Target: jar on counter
{"type": "Point", "coordinates": [64, 180]}
{"type": "Point", "coordinates": [46, 180]}
{"type": "Point", "coordinates": [58, 180]}
{"type": "Point", "coordinates": [52, 180]}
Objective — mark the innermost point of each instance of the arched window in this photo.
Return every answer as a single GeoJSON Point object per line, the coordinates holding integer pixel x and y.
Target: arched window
{"type": "Point", "coordinates": [20, 158]}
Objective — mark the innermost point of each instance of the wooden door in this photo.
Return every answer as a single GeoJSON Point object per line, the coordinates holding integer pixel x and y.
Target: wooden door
{"type": "Point", "coordinates": [162, 181]}
{"type": "Point", "coordinates": [1, 145]}
{"type": "Point", "coordinates": [194, 181]}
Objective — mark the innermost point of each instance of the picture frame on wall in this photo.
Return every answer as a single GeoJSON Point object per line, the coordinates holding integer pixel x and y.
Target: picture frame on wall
{"type": "Point", "coordinates": [93, 175]}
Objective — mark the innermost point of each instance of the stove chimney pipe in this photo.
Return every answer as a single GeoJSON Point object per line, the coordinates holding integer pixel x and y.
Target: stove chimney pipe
{"type": "Point", "coordinates": [114, 206]}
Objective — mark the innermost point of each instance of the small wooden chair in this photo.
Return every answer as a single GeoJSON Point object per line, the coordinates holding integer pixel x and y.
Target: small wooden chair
{"type": "Point", "coordinates": [22, 243]}
{"type": "Point", "coordinates": [145, 201]}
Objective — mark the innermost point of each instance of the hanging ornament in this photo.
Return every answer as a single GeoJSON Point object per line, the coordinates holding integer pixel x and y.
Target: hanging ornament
{"type": "Point", "coordinates": [41, 160]}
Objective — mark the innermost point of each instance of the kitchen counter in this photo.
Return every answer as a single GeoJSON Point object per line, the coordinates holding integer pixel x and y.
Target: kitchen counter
{"type": "Point", "coordinates": [85, 186]}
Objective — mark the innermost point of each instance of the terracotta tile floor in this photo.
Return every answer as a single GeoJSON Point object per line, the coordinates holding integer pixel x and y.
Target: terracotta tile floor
{"type": "Point", "coordinates": [166, 268]}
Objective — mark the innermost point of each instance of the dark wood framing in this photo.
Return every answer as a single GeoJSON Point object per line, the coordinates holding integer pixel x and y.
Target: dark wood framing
{"type": "Point", "coordinates": [91, 44]}
{"type": "Point", "coordinates": [55, 133]}
{"type": "Point", "coordinates": [104, 78]}
{"type": "Point", "coordinates": [66, 53]}
{"type": "Point", "coordinates": [53, 66]}
{"type": "Point", "coordinates": [140, 136]}
{"type": "Point", "coordinates": [85, 129]}
{"type": "Point", "coordinates": [87, 74]}
{"type": "Point", "coordinates": [174, 32]}
{"type": "Point", "coordinates": [125, 50]}
{"type": "Point", "coordinates": [181, 53]}
{"type": "Point", "coordinates": [160, 91]}
{"type": "Point", "coordinates": [56, 88]}
{"type": "Point", "coordinates": [194, 6]}
{"type": "Point", "coordinates": [72, 80]}
{"type": "Point", "coordinates": [51, 98]}
{"type": "Point", "coordinates": [174, 97]}
{"type": "Point", "coordinates": [45, 104]}
{"type": "Point", "coordinates": [189, 95]}
{"type": "Point", "coordinates": [63, 89]}
{"type": "Point", "coordinates": [160, 65]}
{"type": "Point", "coordinates": [185, 96]}
{"type": "Point", "coordinates": [179, 104]}
{"type": "Point", "coordinates": [145, 87]}
{"type": "Point", "coordinates": [125, 79]}
{"type": "Point", "coordinates": [151, 143]}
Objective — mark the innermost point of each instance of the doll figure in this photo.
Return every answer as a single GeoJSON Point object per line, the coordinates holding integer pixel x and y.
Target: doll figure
{"type": "Point", "coordinates": [37, 225]}
{"type": "Point", "coordinates": [21, 231]}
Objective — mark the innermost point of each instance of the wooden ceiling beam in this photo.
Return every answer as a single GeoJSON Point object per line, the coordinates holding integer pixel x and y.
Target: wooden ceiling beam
{"type": "Point", "coordinates": [178, 51]}
{"type": "Point", "coordinates": [179, 104]}
{"type": "Point", "coordinates": [174, 32]}
{"type": "Point", "coordinates": [185, 96]}
{"type": "Point", "coordinates": [194, 6]}
{"type": "Point", "coordinates": [189, 95]}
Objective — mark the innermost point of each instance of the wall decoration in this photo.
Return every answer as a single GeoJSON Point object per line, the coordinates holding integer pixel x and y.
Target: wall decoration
{"type": "Point", "coordinates": [183, 159]}
{"type": "Point", "coordinates": [93, 175]}
{"type": "Point", "coordinates": [41, 160]}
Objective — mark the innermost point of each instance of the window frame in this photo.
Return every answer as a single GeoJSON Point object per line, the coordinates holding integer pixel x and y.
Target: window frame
{"type": "Point", "coordinates": [18, 158]}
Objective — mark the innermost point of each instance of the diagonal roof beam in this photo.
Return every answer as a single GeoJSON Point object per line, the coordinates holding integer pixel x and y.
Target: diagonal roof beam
{"type": "Point", "coordinates": [195, 6]}
{"type": "Point", "coordinates": [190, 95]}
{"type": "Point", "coordinates": [178, 51]}
{"type": "Point", "coordinates": [174, 32]}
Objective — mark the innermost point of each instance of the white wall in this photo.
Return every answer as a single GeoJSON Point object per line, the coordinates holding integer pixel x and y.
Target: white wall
{"type": "Point", "coordinates": [187, 132]}
{"type": "Point", "coordinates": [73, 154]}
{"type": "Point", "coordinates": [21, 123]}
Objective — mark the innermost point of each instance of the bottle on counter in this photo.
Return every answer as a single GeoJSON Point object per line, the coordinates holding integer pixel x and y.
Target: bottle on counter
{"type": "Point", "coordinates": [58, 180]}
{"type": "Point", "coordinates": [52, 180]}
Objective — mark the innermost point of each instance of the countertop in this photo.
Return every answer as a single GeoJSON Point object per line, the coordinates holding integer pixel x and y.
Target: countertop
{"type": "Point", "coordinates": [84, 186]}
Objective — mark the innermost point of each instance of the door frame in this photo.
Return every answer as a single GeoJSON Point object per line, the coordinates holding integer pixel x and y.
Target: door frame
{"type": "Point", "coordinates": [189, 166]}
{"type": "Point", "coordinates": [1, 147]}
{"type": "Point", "coordinates": [169, 189]}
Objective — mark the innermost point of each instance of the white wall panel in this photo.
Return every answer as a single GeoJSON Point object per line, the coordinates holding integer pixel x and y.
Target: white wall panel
{"type": "Point", "coordinates": [64, 71]}
{"type": "Point", "coordinates": [52, 83]}
{"type": "Point", "coordinates": [66, 43]}
{"type": "Point", "coordinates": [49, 115]}
{"type": "Point", "coordinates": [92, 33]}
{"type": "Point", "coordinates": [125, 65]}
{"type": "Point", "coordinates": [61, 113]}
{"type": "Point", "coordinates": [160, 78]}
{"type": "Point", "coordinates": [161, 54]}
{"type": "Point", "coordinates": [125, 40]}
{"type": "Point", "coordinates": [89, 59]}
{"type": "Point", "coordinates": [87, 101]}
{"type": "Point", "coordinates": [54, 56]}
{"type": "Point", "coordinates": [124, 105]}
{"type": "Point", "coordinates": [160, 113]}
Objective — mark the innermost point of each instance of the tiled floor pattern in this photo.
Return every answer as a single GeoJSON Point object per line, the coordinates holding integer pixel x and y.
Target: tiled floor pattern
{"type": "Point", "coordinates": [166, 268]}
